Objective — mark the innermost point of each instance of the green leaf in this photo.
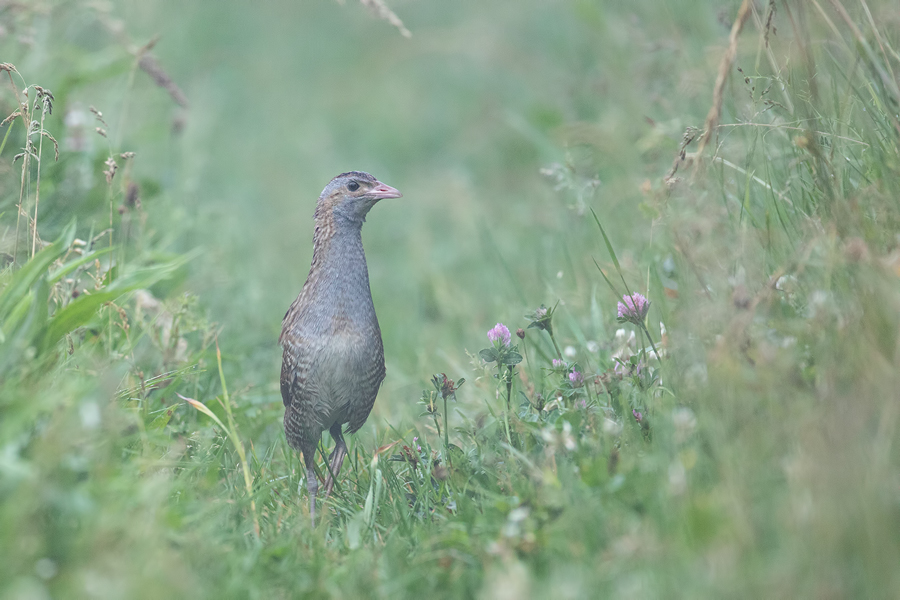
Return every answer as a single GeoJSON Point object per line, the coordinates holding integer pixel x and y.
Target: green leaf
{"type": "Point", "coordinates": [18, 312]}
{"type": "Point", "coordinates": [36, 267]}
{"type": "Point", "coordinates": [354, 530]}
{"type": "Point", "coordinates": [79, 312]}
{"type": "Point", "coordinates": [26, 321]}
{"type": "Point", "coordinates": [512, 358]}
{"type": "Point", "coordinates": [70, 266]}
{"type": "Point", "coordinates": [160, 422]}
{"type": "Point", "coordinates": [489, 355]}
{"type": "Point", "coordinates": [205, 410]}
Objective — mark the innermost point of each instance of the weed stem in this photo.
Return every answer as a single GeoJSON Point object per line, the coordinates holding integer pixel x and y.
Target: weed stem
{"type": "Point", "coordinates": [236, 440]}
{"type": "Point", "coordinates": [446, 432]}
{"type": "Point", "coordinates": [555, 345]}
{"type": "Point", "coordinates": [37, 193]}
{"type": "Point", "coordinates": [652, 345]}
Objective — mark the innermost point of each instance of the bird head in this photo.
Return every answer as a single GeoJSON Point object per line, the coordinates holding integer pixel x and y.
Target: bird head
{"type": "Point", "coordinates": [348, 197]}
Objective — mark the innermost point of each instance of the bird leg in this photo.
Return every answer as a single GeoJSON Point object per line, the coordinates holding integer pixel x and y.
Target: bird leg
{"type": "Point", "coordinates": [337, 457]}
{"type": "Point", "coordinates": [312, 483]}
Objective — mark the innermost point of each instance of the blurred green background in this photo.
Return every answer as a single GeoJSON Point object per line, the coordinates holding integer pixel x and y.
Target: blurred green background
{"type": "Point", "coordinates": [461, 117]}
{"type": "Point", "coordinates": [765, 466]}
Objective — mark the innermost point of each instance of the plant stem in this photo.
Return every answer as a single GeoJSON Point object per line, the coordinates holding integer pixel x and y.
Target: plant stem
{"type": "Point", "coordinates": [111, 261]}
{"type": "Point", "coordinates": [506, 425]}
{"type": "Point", "coordinates": [37, 193]}
{"type": "Point", "coordinates": [509, 382]}
{"type": "Point", "coordinates": [238, 444]}
{"type": "Point", "coordinates": [26, 120]}
{"type": "Point", "coordinates": [555, 345]}
{"type": "Point", "coordinates": [109, 194]}
{"type": "Point", "coordinates": [437, 423]}
{"type": "Point", "coordinates": [446, 427]}
{"type": "Point", "coordinates": [528, 362]}
{"type": "Point", "coordinates": [446, 433]}
{"type": "Point", "coordinates": [643, 347]}
{"type": "Point", "coordinates": [508, 379]}
{"type": "Point", "coordinates": [652, 345]}
{"type": "Point", "coordinates": [21, 194]}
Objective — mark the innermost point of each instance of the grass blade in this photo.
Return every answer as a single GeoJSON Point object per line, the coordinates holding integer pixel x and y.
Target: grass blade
{"type": "Point", "coordinates": [8, 129]}
{"type": "Point", "coordinates": [25, 277]}
{"type": "Point", "coordinates": [612, 253]}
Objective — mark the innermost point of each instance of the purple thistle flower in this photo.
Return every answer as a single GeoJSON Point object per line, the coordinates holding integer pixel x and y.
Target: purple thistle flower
{"type": "Point", "coordinates": [637, 416]}
{"type": "Point", "coordinates": [500, 332]}
{"type": "Point", "coordinates": [576, 378]}
{"type": "Point", "coordinates": [634, 308]}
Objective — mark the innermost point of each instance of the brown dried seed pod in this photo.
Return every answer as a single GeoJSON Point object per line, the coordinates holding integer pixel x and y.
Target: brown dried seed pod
{"type": "Point", "coordinates": [55, 143]}
{"type": "Point", "coordinates": [111, 169]}
{"type": "Point", "coordinates": [10, 118]}
{"type": "Point", "coordinates": [151, 67]}
{"type": "Point", "coordinates": [132, 196]}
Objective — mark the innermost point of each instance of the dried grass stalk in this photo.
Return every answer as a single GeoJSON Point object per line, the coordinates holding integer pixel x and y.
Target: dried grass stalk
{"type": "Point", "coordinates": [715, 112]}
{"type": "Point", "coordinates": [149, 65]}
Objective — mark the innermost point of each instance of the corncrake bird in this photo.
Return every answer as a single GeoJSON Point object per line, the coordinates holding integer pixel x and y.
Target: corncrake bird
{"type": "Point", "coordinates": [333, 359]}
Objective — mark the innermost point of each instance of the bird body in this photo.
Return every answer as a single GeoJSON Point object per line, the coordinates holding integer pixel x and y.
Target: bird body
{"type": "Point", "coordinates": [333, 361]}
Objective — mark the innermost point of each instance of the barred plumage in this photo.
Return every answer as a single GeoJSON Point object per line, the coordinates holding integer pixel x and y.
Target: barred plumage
{"type": "Point", "coordinates": [333, 361]}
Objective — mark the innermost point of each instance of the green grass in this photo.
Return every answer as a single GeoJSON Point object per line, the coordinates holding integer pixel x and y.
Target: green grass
{"type": "Point", "coordinates": [764, 464]}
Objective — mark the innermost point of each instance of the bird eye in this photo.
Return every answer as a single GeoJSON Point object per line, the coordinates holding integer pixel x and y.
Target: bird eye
{"type": "Point", "coordinates": [352, 186]}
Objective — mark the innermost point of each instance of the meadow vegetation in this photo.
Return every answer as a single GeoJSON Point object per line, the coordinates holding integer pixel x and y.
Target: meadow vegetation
{"type": "Point", "coordinates": [640, 301]}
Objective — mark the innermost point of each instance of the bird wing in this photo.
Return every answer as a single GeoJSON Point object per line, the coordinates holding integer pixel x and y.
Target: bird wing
{"type": "Point", "coordinates": [369, 383]}
{"type": "Point", "coordinates": [296, 366]}
{"type": "Point", "coordinates": [296, 361]}
{"type": "Point", "coordinates": [288, 374]}
{"type": "Point", "coordinates": [300, 393]}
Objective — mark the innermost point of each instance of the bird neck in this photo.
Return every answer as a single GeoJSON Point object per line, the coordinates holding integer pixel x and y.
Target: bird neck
{"type": "Point", "coordinates": [338, 257]}
{"type": "Point", "coordinates": [335, 235]}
